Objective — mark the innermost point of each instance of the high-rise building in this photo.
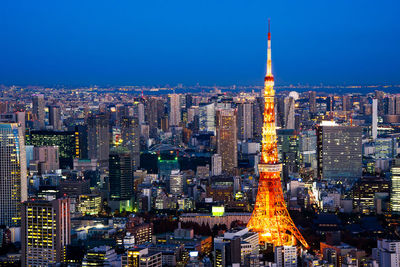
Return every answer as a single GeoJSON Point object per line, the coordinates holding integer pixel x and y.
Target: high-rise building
{"type": "Point", "coordinates": [55, 118]}
{"type": "Point", "coordinates": [388, 252]}
{"type": "Point", "coordinates": [13, 175]}
{"type": "Point", "coordinates": [207, 117]}
{"type": "Point", "coordinates": [154, 113]}
{"type": "Point", "coordinates": [258, 109]}
{"type": "Point", "coordinates": [312, 95]}
{"type": "Point", "coordinates": [374, 126]}
{"type": "Point", "coordinates": [121, 174]}
{"type": "Point", "coordinates": [46, 232]}
{"type": "Point", "coordinates": [174, 110]}
{"type": "Point", "coordinates": [245, 121]}
{"type": "Point", "coordinates": [47, 158]}
{"type": "Point", "coordinates": [99, 138]}
{"type": "Point", "coordinates": [308, 148]}
{"type": "Point", "coordinates": [270, 217]}
{"type": "Point", "coordinates": [286, 256]}
{"type": "Point", "coordinates": [339, 151]}
{"type": "Point", "coordinates": [176, 182]}
{"type": "Point", "coordinates": [227, 138]}
{"type": "Point", "coordinates": [130, 131]}
{"type": "Point", "coordinates": [216, 165]}
{"type": "Point", "coordinates": [38, 111]}
{"type": "Point", "coordinates": [395, 186]}
{"type": "Point", "coordinates": [289, 112]}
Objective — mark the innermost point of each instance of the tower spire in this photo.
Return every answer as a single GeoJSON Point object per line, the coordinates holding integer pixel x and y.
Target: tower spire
{"type": "Point", "coordinates": [269, 61]}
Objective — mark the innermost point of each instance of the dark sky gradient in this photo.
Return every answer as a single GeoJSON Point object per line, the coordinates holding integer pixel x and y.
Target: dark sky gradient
{"type": "Point", "coordinates": [211, 42]}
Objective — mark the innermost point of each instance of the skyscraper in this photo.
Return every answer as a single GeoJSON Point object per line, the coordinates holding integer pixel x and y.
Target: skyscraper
{"type": "Point", "coordinates": [216, 165]}
{"type": "Point", "coordinates": [289, 112]}
{"type": "Point", "coordinates": [270, 217]}
{"type": "Point", "coordinates": [130, 131]}
{"type": "Point", "coordinates": [38, 111]}
{"type": "Point", "coordinates": [339, 152]}
{"type": "Point", "coordinates": [395, 186]}
{"type": "Point", "coordinates": [176, 182]}
{"type": "Point", "coordinates": [46, 232]}
{"type": "Point", "coordinates": [55, 118]}
{"type": "Point", "coordinates": [13, 175]}
{"type": "Point", "coordinates": [312, 101]}
{"type": "Point", "coordinates": [374, 126]}
{"type": "Point", "coordinates": [207, 117]}
{"type": "Point", "coordinates": [227, 138]}
{"type": "Point", "coordinates": [98, 138]}
{"type": "Point", "coordinates": [245, 121]}
{"type": "Point", "coordinates": [174, 110]}
{"type": "Point", "coordinates": [286, 256]}
{"type": "Point", "coordinates": [121, 174]}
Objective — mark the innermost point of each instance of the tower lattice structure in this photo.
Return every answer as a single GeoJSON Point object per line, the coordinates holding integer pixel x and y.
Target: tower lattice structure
{"type": "Point", "coordinates": [270, 217]}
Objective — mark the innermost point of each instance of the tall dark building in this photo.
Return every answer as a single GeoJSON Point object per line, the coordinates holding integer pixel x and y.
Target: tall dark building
{"type": "Point", "coordinates": [38, 111]}
{"type": "Point", "coordinates": [99, 138]}
{"type": "Point", "coordinates": [130, 131]}
{"type": "Point", "coordinates": [245, 121]}
{"type": "Point", "coordinates": [288, 151]}
{"type": "Point", "coordinates": [120, 174]}
{"type": "Point", "coordinates": [154, 112]}
{"type": "Point", "coordinates": [339, 151]}
{"type": "Point", "coordinates": [312, 95]}
{"type": "Point", "coordinates": [55, 118]}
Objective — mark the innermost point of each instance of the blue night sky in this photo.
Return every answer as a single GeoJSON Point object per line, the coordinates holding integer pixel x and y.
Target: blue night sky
{"type": "Point", "coordinates": [221, 42]}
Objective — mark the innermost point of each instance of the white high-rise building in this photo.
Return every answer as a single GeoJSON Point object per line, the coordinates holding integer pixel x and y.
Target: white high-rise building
{"type": "Point", "coordinates": [388, 253]}
{"type": "Point", "coordinates": [216, 164]}
{"type": "Point", "coordinates": [289, 112]}
{"type": "Point", "coordinates": [395, 188]}
{"type": "Point", "coordinates": [13, 174]}
{"type": "Point", "coordinates": [38, 111]}
{"type": "Point", "coordinates": [174, 110]}
{"type": "Point", "coordinates": [245, 121]}
{"type": "Point", "coordinates": [176, 182]}
{"type": "Point", "coordinates": [207, 117]}
{"type": "Point", "coordinates": [374, 119]}
{"type": "Point", "coordinates": [286, 256]}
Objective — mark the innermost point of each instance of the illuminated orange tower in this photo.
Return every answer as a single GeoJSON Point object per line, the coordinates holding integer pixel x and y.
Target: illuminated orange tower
{"type": "Point", "coordinates": [270, 216]}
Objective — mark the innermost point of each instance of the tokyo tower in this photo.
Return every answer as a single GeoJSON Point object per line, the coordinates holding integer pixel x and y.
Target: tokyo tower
{"type": "Point", "coordinates": [270, 217]}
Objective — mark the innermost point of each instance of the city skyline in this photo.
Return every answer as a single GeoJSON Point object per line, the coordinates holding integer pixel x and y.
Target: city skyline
{"type": "Point", "coordinates": [220, 43]}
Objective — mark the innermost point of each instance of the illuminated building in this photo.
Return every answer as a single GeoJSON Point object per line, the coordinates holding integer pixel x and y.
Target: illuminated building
{"type": "Point", "coordinates": [142, 232]}
{"type": "Point", "coordinates": [395, 186]}
{"type": "Point", "coordinates": [288, 151]}
{"type": "Point", "coordinates": [141, 257]}
{"type": "Point", "coordinates": [12, 173]}
{"type": "Point", "coordinates": [216, 165]}
{"type": "Point", "coordinates": [67, 142]}
{"type": "Point", "coordinates": [365, 192]}
{"type": "Point", "coordinates": [374, 126]}
{"type": "Point", "coordinates": [289, 104]}
{"type": "Point", "coordinates": [286, 256]}
{"type": "Point", "coordinates": [227, 138]}
{"type": "Point", "coordinates": [47, 158]}
{"type": "Point", "coordinates": [38, 111]}
{"type": "Point", "coordinates": [312, 95]}
{"type": "Point", "coordinates": [176, 183]}
{"type": "Point", "coordinates": [98, 138]}
{"type": "Point", "coordinates": [174, 110]}
{"type": "Point", "coordinates": [207, 117]}
{"type": "Point", "coordinates": [100, 256]}
{"type": "Point", "coordinates": [308, 148]}
{"type": "Point", "coordinates": [120, 174]}
{"type": "Point", "coordinates": [90, 204]}
{"type": "Point", "coordinates": [388, 252]}
{"type": "Point", "coordinates": [339, 151]}
{"type": "Point", "coordinates": [385, 148]}
{"type": "Point", "coordinates": [130, 131]}
{"type": "Point", "coordinates": [270, 216]}
{"type": "Point", "coordinates": [45, 231]}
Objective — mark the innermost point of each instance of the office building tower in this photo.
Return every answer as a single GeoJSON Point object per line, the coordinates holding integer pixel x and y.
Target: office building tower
{"type": "Point", "coordinates": [101, 256]}
{"type": "Point", "coordinates": [339, 152]}
{"type": "Point", "coordinates": [121, 174]}
{"type": "Point", "coordinates": [286, 256]}
{"type": "Point", "coordinates": [227, 252]}
{"type": "Point", "coordinates": [245, 121]}
{"type": "Point", "coordinates": [67, 142]}
{"type": "Point", "coordinates": [365, 192]}
{"type": "Point", "coordinates": [391, 105]}
{"type": "Point", "coordinates": [13, 174]}
{"type": "Point", "coordinates": [45, 231]}
{"type": "Point", "coordinates": [46, 158]}
{"type": "Point", "coordinates": [55, 118]}
{"type": "Point", "coordinates": [176, 183]}
{"type": "Point", "coordinates": [38, 111]}
{"type": "Point", "coordinates": [99, 138]}
{"type": "Point", "coordinates": [207, 117]}
{"type": "Point", "coordinates": [140, 112]}
{"type": "Point", "coordinates": [227, 138]}
{"type": "Point", "coordinates": [174, 110]}
{"type": "Point", "coordinates": [346, 103]}
{"type": "Point", "coordinates": [308, 148]}
{"type": "Point", "coordinates": [385, 148]}
{"type": "Point", "coordinates": [374, 126]}
{"type": "Point", "coordinates": [130, 134]}
{"type": "Point", "coordinates": [395, 186]}
{"type": "Point", "coordinates": [270, 217]}
{"type": "Point", "coordinates": [289, 112]}
{"type": "Point", "coordinates": [192, 112]}
{"type": "Point", "coordinates": [288, 151]}
{"type": "Point", "coordinates": [141, 257]}
{"type": "Point", "coordinates": [312, 95]}
{"type": "Point", "coordinates": [216, 165]}
{"type": "Point", "coordinates": [330, 103]}
{"type": "Point", "coordinates": [154, 113]}
{"type": "Point", "coordinates": [388, 252]}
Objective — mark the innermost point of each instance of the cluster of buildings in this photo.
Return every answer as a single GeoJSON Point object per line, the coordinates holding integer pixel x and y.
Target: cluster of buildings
{"type": "Point", "coordinates": [97, 177]}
